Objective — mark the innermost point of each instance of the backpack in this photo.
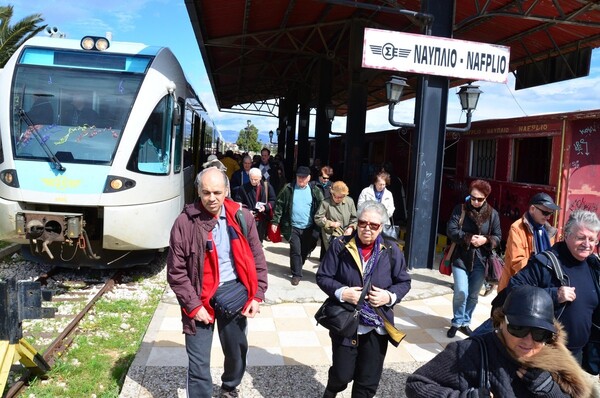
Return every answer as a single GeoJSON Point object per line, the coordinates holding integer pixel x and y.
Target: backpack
{"type": "Point", "coordinates": [556, 268]}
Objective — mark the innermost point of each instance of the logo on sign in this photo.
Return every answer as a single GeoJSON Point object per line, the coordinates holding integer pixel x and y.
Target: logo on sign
{"type": "Point", "coordinates": [388, 51]}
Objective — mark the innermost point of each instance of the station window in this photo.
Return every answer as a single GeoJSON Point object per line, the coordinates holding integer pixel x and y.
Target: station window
{"type": "Point", "coordinates": [531, 160]}
{"type": "Point", "coordinates": [450, 156]}
{"type": "Point", "coordinates": [483, 158]}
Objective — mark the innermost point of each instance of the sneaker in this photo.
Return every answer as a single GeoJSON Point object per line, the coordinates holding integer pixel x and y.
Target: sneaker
{"type": "Point", "coordinates": [451, 332]}
{"type": "Point", "coordinates": [466, 330]}
{"type": "Point", "coordinates": [229, 394]}
{"type": "Point", "coordinates": [295, 280]}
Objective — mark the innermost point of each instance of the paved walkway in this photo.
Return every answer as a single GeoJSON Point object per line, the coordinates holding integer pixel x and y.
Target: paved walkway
{"type": "Point", "coordinates": [289, 354]}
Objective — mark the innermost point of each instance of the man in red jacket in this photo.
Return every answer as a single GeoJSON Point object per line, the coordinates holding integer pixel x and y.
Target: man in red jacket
{"type": "Point", "coordinates": [214, 252]}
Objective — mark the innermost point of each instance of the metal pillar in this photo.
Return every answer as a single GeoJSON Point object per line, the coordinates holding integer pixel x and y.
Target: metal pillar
{"type": "Point", "coordinates": [357, 113]}
{"type": "Point", "coordinates": [282, 126]}
{"type": "Point", "coordinates": [290, 133]}
{"type": "Point", "coordinates": [428, 149]}
{"type": "Point", "coordinates": [322, 123]}
{"type": "Point", "coordinates": [303, 145]}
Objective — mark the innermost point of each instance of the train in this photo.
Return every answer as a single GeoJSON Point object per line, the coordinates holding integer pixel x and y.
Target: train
{"type": "Point", "coordinates": [551, 153]}
{"type": "Point", "coordinates": [101, 142]}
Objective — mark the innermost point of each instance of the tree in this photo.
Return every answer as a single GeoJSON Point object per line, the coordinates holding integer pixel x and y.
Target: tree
{"type": "Point", "coordinates": [13, 36]}
{"type": "Point", "coordinates": [248, 139]}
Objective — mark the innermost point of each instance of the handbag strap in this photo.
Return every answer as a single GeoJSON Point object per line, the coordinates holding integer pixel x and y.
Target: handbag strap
{"type": "Point", "coordinates": [365, 289]}
{"type": "Point", "coordinates": [462, 217]}
{"type": "Point", "coordinates": [484, 376]}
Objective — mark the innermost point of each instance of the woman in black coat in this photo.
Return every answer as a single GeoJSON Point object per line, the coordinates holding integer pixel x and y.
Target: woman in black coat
{"type": "Point", "coordinates": [475, 236]}
{"type": "Point", "coordinates": [350, 261]}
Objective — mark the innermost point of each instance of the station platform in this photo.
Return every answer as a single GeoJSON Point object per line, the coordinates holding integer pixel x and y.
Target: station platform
{"type": "Point", "coordinates": [289, 354]}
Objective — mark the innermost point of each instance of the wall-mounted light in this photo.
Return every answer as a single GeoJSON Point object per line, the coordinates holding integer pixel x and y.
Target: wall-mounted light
{"type": "Point", "coordinates": [330, 112]}
{"type": "Point", "coordinates": [468, 95]}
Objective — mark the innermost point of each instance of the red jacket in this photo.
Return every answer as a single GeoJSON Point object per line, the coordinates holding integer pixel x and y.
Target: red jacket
{"type": "Point", "coordinates": [185, 262]}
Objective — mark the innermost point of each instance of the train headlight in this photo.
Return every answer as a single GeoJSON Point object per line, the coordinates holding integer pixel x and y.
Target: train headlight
{"type": "Point", "coordinates": [102, 44]}
{"type": "Point", "coordinates": [9, 177]}
{"type": "Point", "coordinates": [118, 184]}
{"type": "Point", "coordinates": [95, 43]}
{"type": "Point", "coordinates": [87, 43]}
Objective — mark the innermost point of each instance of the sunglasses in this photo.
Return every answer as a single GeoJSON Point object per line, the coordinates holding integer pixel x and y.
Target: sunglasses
{"type": "Point", "coordinates": [476, 199]}
{"type": "Point", "coordinates": [537, 334]}
{"type": "Point", "coordinates": [325, 178]}
{"type": "Point", "coordinates": [372, 226]}
{"type": "Point", "coordinates": [544, 212]}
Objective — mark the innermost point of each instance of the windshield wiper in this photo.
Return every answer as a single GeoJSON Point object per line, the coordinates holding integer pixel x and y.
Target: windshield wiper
{"type": "Point", "coordinates": [51, 156]}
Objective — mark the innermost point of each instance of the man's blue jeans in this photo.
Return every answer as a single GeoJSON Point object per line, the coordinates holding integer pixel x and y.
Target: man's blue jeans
{"type": "Point", "coordinates": [466, 292]}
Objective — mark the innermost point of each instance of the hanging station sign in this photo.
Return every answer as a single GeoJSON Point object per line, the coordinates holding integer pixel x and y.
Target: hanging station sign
{"type": "Point", "coordinates": [432, 55]}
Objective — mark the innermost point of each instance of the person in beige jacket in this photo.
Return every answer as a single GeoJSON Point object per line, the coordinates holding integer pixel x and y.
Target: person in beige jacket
{"type": "Point", "coordinates": [337, 214]}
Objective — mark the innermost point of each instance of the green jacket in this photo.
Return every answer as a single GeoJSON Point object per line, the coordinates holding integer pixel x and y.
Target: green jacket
{"type": "Point", "coordinates": [283, 208]}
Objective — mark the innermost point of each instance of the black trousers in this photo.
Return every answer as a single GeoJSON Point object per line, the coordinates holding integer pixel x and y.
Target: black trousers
{"type": "Point", "coordinates": [232, 334]}
{"type": "Point", "coordinates": [302, 242]}
{"type": "Point", "coordinates": [362, 363]}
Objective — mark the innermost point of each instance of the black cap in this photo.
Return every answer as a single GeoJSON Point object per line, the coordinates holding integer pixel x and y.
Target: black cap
{"type": "Point", "coordinates": [543, 199]}
{"type": "Point", "coordinates": [530, 306]}
{"type": "Point", "coordinates": [302, 171]}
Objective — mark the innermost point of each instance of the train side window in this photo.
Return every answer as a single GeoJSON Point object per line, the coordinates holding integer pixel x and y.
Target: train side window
{"type": "Point", "coordinates": [483, 158]}
{"type": "Point", "coordinates": [188, 137]}
{"type": "Point", "coordinates": [177, 150]}
{"type": "Point", "coordinates": [152, 151]}
{"type": "Point", "coordinates": [531, 160]}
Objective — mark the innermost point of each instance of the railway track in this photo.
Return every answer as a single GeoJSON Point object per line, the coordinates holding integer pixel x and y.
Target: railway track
{"type": "Point", "coordinates": [65, 337]}
{"type": "Point", "coordinates": [75, 293]}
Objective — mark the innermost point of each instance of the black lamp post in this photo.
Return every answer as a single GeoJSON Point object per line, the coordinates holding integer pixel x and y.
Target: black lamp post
{"type": "Point", "coordinates": [247, 128]}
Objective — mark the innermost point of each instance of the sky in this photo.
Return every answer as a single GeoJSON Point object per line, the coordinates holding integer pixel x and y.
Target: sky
{"type": "Point", "coordinates": [166, 23]}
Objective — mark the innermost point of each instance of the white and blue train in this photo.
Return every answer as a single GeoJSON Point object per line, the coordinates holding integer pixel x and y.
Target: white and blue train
{"type": "Point", "coordinates": [100, 144]}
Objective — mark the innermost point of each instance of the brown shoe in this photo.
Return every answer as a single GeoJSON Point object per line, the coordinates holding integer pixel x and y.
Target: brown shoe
{"type": "Point", "coordinates": [295, 280]}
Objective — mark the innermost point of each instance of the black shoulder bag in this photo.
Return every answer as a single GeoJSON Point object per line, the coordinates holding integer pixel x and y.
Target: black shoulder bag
{"type": "Point", "coordinates": [340, 317]}
{"type": "Point", "coordinates": [230, 298]}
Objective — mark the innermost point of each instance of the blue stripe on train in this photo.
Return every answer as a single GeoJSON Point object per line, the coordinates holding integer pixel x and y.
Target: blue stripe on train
{"type": "Point", "coordinates": [81, 179]}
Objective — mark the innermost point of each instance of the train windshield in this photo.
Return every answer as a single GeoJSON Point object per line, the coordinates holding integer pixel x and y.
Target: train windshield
{"type": "Point", "coordinates": [72, 104]}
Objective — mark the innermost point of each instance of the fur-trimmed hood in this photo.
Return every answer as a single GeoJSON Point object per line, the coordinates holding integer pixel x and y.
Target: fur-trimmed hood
{"type": "Point", "coordinates": [566, 372]}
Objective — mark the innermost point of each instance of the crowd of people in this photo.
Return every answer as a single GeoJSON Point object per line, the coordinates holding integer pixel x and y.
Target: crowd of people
{"type": "Point", "coordinates": [534, 344]}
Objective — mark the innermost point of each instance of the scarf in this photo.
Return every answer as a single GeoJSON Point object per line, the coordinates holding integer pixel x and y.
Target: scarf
{"type": "Point", "coordinates": [240, 253]}
{"type": "Point", "coordinates": [368, 317]}
{"type": "Point", "coordinates": [378, 194]}
{"type": "Point", "coordinates": [540, 235]}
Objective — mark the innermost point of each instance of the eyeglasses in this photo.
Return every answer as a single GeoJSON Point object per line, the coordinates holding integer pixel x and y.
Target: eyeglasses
{"type": "Point", "coordinates": [338, 197]}
{"type": "Point", "coordinates": [476, 199]}
{"type": "Point", "coordinates": [544, 212]}
{"type": "Point", "coordinates": [537, 334]}
{"type": "Point", "coordinates": [325, 178]}
{"type": "Point", "coordinates": [372, 226]}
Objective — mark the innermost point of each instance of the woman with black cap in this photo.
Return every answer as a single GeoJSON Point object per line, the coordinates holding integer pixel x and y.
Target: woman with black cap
{"type": "Point", "coordinates": [526, 357]}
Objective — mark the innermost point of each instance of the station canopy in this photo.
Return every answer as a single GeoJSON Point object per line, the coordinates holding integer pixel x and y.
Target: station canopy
{"type": "Point", "coordinates": [256, 51]}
